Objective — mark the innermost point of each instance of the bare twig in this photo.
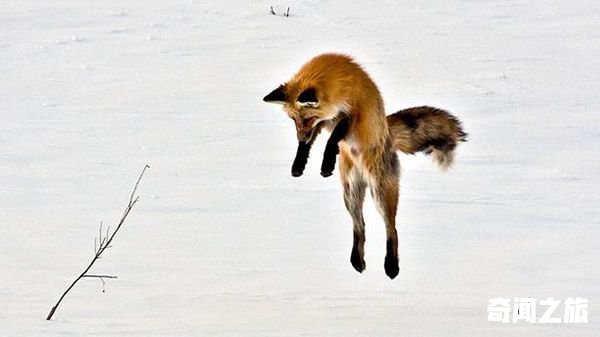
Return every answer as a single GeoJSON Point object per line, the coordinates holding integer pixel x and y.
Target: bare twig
{"type": "Point", "coordinates": [99, 276]}
{"type": "Point", "coordinates": [103, 244]}
{"type": "Point", "coordinates": [286, 13]}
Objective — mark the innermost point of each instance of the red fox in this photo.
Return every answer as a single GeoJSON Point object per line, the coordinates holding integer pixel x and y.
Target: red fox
{"type": "Point", "coordinates": [332, 91]}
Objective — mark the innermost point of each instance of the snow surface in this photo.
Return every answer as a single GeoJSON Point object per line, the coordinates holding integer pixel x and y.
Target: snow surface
{"type": "Point", "coordinates": [224, 242]}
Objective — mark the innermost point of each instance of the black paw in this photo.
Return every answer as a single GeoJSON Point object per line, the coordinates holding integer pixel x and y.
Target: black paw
{"type": "Point", "coordinates": [296, 172]}
{"type": "Point", "coordinates": [328, 165]}
{"type": "Point", "coordinates": [357, 261]}
{"type": "Point", "coordinates": [326, 174]}
{"type": "Point", "coordinates": [391, 266]}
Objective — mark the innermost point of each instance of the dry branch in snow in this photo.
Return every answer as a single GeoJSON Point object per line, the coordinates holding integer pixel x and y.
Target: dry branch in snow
{"type": "Point", "coordinates": [286, 13]}
{"type": "Point", "coordinates": [102, 243]}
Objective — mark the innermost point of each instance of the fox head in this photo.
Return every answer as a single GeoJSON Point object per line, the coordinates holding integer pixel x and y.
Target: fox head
{"type": "Point", "coordinates": [306, 106]}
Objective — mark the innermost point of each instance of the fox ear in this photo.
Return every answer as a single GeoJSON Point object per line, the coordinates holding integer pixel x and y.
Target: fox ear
{"type": "Point", "coordinates": [276, 96]}
{"type": "Point", "coordinates": [308, 98]}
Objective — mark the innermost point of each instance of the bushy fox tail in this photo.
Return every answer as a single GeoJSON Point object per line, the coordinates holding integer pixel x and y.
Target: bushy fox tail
{"type": "Point", "coordinates": [430, 130]}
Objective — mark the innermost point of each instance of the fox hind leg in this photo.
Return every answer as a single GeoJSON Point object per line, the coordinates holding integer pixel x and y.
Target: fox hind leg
{"type": "Point", "coordinates": [354, 194]}
{"type": "Point", "coordinates": [385, 191]}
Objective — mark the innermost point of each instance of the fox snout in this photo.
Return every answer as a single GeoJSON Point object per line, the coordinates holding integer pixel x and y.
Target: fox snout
{"type": "Point", "coordinates": [304, 131]}
{"type": "Point", "coordinates": [307, 131]}
{"type": "Point", "coordinates": [304, 135]}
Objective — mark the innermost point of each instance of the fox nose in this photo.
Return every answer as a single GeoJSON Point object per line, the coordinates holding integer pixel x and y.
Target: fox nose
{"type": "Point", "coordinates": [302, 132]}
{"type": "Point", "coordinates": [303, 135]}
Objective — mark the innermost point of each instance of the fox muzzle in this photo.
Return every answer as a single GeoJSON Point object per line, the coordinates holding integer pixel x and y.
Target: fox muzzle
{"type": "Point", "coordinates": [304, 134]}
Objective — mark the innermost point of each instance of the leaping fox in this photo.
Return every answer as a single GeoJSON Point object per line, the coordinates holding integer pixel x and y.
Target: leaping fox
{"type": "Point", "coordinates": [332, 91]}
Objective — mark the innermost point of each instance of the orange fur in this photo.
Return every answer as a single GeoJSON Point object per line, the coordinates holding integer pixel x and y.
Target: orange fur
{"type": "Point", "coordinates": [331, 87]}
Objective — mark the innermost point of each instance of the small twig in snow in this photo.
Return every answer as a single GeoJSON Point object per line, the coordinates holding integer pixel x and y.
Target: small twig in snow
{"type": "Point", "coordinates": [103, 244]}
{"type": "Point", "coordinates": [100, 276]}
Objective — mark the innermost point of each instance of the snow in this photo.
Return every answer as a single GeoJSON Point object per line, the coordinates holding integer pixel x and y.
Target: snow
{"type": "Point", "coordinates": [224, 241]}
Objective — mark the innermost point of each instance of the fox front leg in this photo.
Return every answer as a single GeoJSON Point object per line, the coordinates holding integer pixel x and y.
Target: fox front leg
{"type": "Point", "coordinates": [332, 149]}
{"type": "Point", "coordinates": [301, 158]}
{"type": "Point", "coordinates": [303, 152]}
